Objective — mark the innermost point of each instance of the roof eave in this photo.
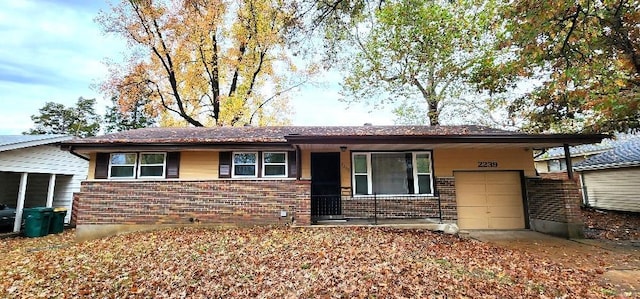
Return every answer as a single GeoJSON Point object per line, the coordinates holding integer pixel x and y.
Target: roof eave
{"type": "Point", "coordinates": [123, 146]}
{"type": "Point", "coordinates": [376, 139]}
{"type": "Point", "coordinates": [32, 143]}
{"type": "Point", "coordinates": [608, 166]}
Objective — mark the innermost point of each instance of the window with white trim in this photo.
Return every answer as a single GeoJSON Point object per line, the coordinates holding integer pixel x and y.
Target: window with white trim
{"type": "Point", "coordinates": [122, 165]}
{"type": "Point", "coordinates": [152, 165]}
{"type": "Point", "coordinates": [245, 165]}
{"type": "Point", "coordinates": [392, 173]}
{"type": "Point", "coordinates": [274, 164]}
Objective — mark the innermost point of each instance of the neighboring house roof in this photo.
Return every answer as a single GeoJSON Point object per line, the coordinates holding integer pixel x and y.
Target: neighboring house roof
{"type": "Point", "coordinates": [585, 150]}
{"type": "Point", "coordinates": [625, 154]}
{"type": "Point", "coordinates": [283, 135]}
{"type": "Point", "coordinates": [578, 150]}
{"type": "Point", "coordinates": [12, 142]}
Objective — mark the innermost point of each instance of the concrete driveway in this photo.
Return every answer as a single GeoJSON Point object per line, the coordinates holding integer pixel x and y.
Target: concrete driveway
{"type": "Point", "coordinates": [616, 263]}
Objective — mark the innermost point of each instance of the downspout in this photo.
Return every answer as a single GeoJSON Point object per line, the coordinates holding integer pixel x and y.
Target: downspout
{"type": "Point", "coordinates": [70, 150]}
{"type": "Point", "coordinates": [585, 196]}
{"type": "Point", "coordinates": [78, 155]}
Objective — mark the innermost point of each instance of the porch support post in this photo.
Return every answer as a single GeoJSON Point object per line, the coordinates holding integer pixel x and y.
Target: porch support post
{"type": "Point", "coordinates": [567, 160]}
{"type": "Point", "coordinates": [51, 190]}
{"type": "Point", "coordinates": [21, 195]}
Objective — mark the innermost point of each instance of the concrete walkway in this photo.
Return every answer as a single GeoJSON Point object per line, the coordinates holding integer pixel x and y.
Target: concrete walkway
{"type": "Point", "coordinates": [616, 263]}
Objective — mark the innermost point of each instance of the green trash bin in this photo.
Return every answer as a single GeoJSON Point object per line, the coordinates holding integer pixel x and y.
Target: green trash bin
{"type": "Point", "coordinates": [56, 225]}
{"type": "Point", "coordinates": [36, 221]}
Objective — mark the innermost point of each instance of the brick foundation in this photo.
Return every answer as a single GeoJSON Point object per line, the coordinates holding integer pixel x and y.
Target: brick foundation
{"type": "Point", "coordinates": [240, 202]}
{"type": "Point", "coordinates": [554, 207]}
{"type": "Point", "coordinates": [399, 207]}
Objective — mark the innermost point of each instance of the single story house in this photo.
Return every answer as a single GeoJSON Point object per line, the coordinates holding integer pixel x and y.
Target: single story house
{"type": "Point", "coordinates": [475, 177]}
{"type": "Point", "coordinates": [611, 180]}
{"type": "Point", "coordinates": [35, 172]}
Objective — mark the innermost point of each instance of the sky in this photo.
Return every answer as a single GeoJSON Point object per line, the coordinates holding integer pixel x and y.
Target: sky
{"type": "Point", "coordinates": [53, 51]}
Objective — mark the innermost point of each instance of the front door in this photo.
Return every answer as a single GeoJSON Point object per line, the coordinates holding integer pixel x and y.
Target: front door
{"type": "Point", "coordinates": [325, 185]}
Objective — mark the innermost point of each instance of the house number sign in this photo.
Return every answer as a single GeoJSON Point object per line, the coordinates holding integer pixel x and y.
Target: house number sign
{"type": "Point", "coordinates": [485, 164]}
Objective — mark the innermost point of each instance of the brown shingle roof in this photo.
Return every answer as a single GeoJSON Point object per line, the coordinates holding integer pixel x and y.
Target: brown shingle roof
{"type": "Point", "coordinates": [276, 134]}
{"type": "Point", "coordinates": [286, 135]}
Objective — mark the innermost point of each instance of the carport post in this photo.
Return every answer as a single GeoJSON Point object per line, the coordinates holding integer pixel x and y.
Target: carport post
{"type": "Point", "coordinates": [52, 188]}
{"type": "Point", "coordinates": [567, 159]}
{"type": "Point", "coordinates": [21, 194]}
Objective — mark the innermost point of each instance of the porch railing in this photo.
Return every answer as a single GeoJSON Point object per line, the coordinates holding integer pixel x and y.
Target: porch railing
{"type": "Point", "coordinates": [376, 207]}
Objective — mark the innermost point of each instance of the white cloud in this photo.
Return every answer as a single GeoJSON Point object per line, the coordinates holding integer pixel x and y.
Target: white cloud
{"type": "Point", "coordinates": [51, 52]}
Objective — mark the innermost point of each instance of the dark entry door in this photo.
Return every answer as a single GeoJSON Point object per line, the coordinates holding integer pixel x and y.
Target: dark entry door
{"type": "Point", "coordinates": [325, 185]}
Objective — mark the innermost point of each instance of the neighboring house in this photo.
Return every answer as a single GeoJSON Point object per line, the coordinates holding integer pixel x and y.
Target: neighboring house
{"type": "Point", "coordinates": [35, 172]}
{"type": "Point", "coordinates": [611, 180]}
{"type": "Point", "coordinates": [551, 162]}
{"type": "Point", "coordinates": [468, 175]}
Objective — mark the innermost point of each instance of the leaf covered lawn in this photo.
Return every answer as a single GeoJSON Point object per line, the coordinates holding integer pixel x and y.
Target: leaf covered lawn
{"type": "Point", "coordinates": [281, 262]}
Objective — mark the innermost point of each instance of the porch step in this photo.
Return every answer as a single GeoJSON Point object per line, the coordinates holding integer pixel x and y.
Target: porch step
{"type": "Point", "coordinates": [329, 221]}
{"type": "Point", "coordinates": [329, 217]}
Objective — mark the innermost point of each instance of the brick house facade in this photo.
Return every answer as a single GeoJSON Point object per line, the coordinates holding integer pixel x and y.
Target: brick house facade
{"type": "Point", "coordinates": [157, 177]}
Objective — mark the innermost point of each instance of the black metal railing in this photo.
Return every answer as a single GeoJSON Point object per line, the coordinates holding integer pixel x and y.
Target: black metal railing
{"type": "Point", "coordinates": [326, 205]}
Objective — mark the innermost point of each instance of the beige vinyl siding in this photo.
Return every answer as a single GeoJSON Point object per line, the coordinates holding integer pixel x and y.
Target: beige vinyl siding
{"type": "Point", "coordinates": [92, 166]}
{"type": "Point", "coordinates": [446, 161]}
{"type": "Point", "coordinates": [489, 200]}
{"type": "Point", "coordinates": [199, 165]}
{"type": "Point", "coordinates": [613, 189]}
{"type": "Point", "coordinates": [345, 169]}
{"type": "Point", "coordinates": [305, 167]}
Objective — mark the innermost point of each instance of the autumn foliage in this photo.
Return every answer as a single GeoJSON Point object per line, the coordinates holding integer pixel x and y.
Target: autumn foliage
{"type": "Point", "coordinates": [282, 263]}
{"type": "Point", "coordinates": [203, 62]}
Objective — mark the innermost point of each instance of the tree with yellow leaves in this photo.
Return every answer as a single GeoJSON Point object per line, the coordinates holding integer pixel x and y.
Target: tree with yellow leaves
{"type": "Point", "coordinates": [204, 62]}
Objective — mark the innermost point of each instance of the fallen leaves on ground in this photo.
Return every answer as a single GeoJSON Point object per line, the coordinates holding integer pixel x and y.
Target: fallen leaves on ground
{"type": "Point", "coordinates": [611, 225]}
{"type": "Point", "coordinates": [282, 262]}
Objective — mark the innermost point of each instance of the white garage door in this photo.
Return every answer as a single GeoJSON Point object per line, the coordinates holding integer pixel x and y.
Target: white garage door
{"type": "Point", "coordinates": [489, 200]}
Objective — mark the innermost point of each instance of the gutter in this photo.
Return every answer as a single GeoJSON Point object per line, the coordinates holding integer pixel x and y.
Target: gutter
{"type": "Point", "coordinates": [608, 166]}
{"type": "Point", "coordinates": [71, 151]}
{"type": "Point", "coordinates": [557, 139]}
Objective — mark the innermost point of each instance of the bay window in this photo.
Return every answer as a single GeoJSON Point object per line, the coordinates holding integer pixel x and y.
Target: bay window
{"type": "Point", "coordinates": [392, 173]}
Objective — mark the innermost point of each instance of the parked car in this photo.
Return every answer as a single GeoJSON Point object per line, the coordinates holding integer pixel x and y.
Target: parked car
{"type": "Point", "coordinates": [7, 215]}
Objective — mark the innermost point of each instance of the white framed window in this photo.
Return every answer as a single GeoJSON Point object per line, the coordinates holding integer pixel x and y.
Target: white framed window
{"type": "Point", "coordinates": [152, 165]}
{"type": "Point", "coordinates": [361, 173]}
{"type": "Point", "coordinates": [245, 164]}
{"type": "Point", "coordinates": [423, 183]}
{"type": "Point", "coordinates": [274, 164]}
{"type": "Point", "coordinates": [392, 173]}
{"type": "Point", "coordinates": [122, 165]}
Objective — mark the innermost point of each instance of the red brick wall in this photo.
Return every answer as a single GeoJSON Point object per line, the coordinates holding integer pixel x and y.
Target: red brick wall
{"type": "Point", "coordinates": [446, 188]}
{"type": "Point", "coordinates": [554, 200]}
{"type": "Point", "coordinates": [555, 175]}
{"type": "Point", "coordinates": [181, 202]}
{"type": "Point", "coordinates": [405, 206]}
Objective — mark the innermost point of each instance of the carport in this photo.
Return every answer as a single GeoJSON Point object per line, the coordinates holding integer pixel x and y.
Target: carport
{"type": "Point", "coordinates": [34, 172]}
